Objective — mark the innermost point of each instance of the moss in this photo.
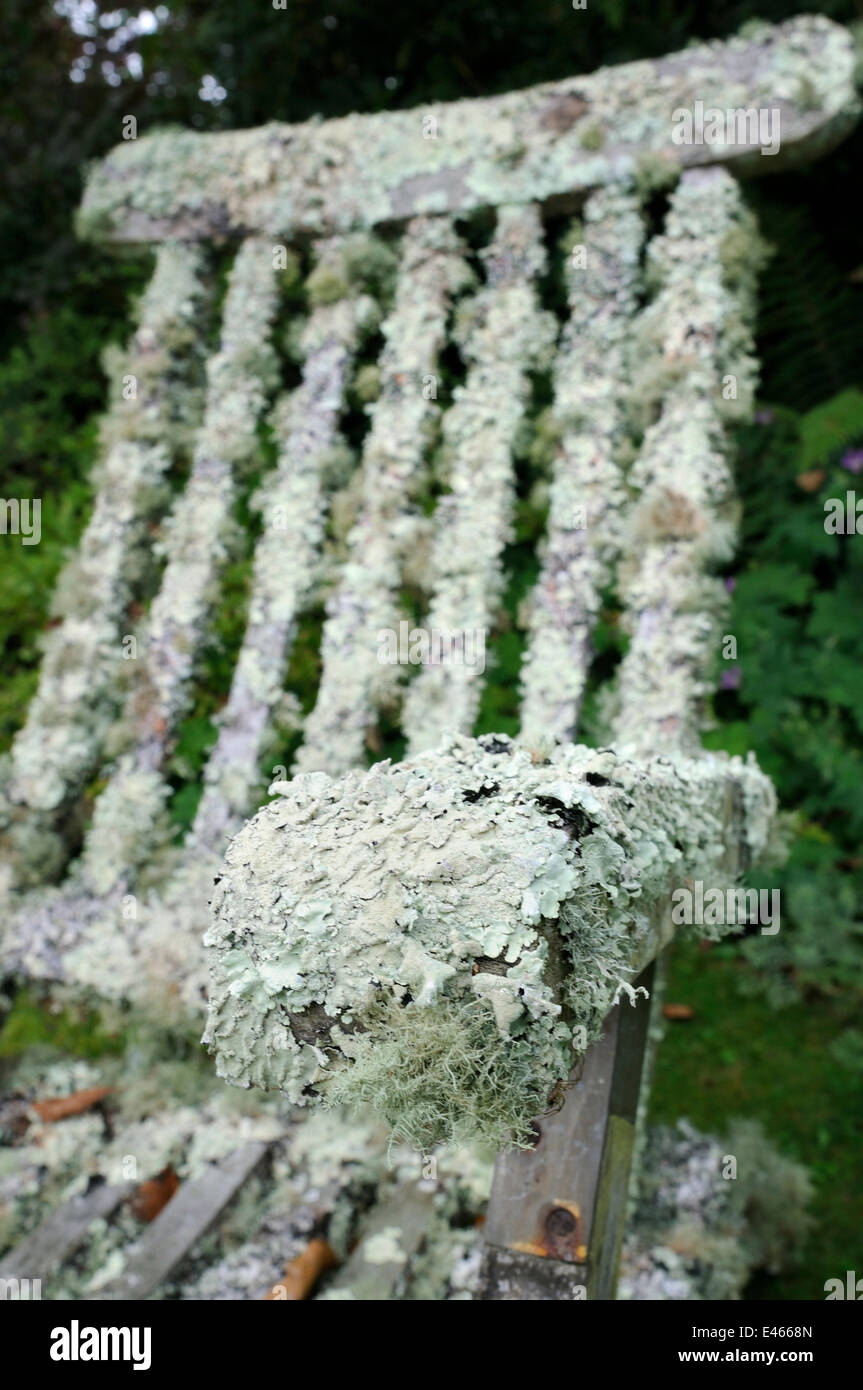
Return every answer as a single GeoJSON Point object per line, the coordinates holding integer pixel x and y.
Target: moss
{"type": "Point", "coordinates": [325, 285]}
{"type": "Point", "coordinates": [34, 1021]}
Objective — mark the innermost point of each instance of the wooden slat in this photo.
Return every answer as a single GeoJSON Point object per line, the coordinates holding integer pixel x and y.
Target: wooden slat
{"type": "Point", "coordinates": [510, 334]}
{"type": "Point", "coordinates": [360, 171]}
{"type": "Point", "coordinates": [401, 1222]}
{"type": "Point", "coordinates": [197, 545]}
{"type": "Point", "coordinates": [587, 492]}
{"type": "Point", "coordinates": [180, 1225]}
{"type": "Point", "coordinates": [564, 1201]}
{"type": "Point", "coordinates": [306, 430]}
{"type": "Point", "coordinates": [433, 269]}
{"type": "Point", "coordinates": [62, 1232]}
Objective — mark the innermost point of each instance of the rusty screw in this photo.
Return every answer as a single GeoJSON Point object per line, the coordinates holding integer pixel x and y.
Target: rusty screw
{"type": "Point", "coordinates": [559, 1224]}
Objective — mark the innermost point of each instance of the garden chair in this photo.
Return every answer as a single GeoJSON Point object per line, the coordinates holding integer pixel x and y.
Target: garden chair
{"type": "Point", "coordinates": [651, 353]}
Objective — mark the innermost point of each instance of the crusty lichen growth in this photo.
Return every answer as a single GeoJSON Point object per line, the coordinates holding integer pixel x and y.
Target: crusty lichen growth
{"type": "Point", "coordinates": [697, 1233]}
{"type": "Point", "coordinates": [359, 171]}
{"type": "Point", "coordinates": [693, 372]}
{"type": "Point", "coordinates": [154, 403]}
{"type": "Point", "coordinates": [587, 492]}
{"type": "Point", "coordinates": [293, 507]}
{"type": "Point", "coordinates": [196, 542]}
{"type": "Point", "coordinates": [503, 335]}
{"type": "Point", "coordinates": [510, 900]}
{"type": "Point", "coordinates": [432, 271]}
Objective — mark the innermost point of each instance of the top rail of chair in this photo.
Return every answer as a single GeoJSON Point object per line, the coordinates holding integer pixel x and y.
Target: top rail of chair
{"type": "Point", "coordinates": [551, 144]}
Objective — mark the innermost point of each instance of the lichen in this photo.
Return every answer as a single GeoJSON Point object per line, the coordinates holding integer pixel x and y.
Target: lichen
{"type": "Point", "coordinates": [492, 903]}
{"type": "Point", "coordinates": [142, 436]}
{"type": "Point", "coordinates": [504, 336]}
{"type": "Point", "coordinates": [360, 171]}
{"type": "Point", "coordinates": [587, 492]}
{"type": "Point", "coordinates": [433, 270]}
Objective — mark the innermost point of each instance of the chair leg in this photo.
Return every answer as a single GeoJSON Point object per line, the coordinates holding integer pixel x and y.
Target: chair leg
{"type": "Point", "coordinates": [557, 1212]}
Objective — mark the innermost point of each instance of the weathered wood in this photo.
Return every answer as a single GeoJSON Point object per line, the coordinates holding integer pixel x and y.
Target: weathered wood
{"type": "Point", "coordinates": [511, 1277]}
{"type": "Point", "coordinates": [62, 1232]}
{"type": "Point", "coordinates": [180, 1225]}
{"type": "Point", "coordinates": [565, 1199]}
{"type": "Point", "coordinates": [393, 1235]}
{"type": "Point", "coordinates": [545, 143]}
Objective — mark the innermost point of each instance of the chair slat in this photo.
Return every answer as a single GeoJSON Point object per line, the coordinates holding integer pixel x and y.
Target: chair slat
{"type": "Point", "coordinates": [63, 736]}
{"type": "Point", "coordinates": [63, 1232]}
{"type": "Point", "coordinates": [587, 492]}
{"type": "Point", "coordinates": [180, 1225]}
{"type": "Point", "coordinates": [286, 561]}
{"type": "Point", "coordinates": [681, 520]}
{"type": "Point", "coordinates": [507, 336]}
{"type": "Point", "coordinates": [366, 599]}
{"type": "Point", "coordinates": [543, 143]}
{"type": "Point", "coordinates": [239, 376]}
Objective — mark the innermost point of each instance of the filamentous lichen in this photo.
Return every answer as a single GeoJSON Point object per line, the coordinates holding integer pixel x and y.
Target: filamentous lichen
{"type": "Point", "coordinates": [497, 905]}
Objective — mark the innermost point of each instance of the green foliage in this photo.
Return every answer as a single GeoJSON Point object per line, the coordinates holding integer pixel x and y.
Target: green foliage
{"type": "Point", "coordinates": [795, 615]}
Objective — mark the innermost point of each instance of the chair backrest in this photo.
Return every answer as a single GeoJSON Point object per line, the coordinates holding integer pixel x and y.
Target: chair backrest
{"type": "Point", "coordinates": [190, 400]}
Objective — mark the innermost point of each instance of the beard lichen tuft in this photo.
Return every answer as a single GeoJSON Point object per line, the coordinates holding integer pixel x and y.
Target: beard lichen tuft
{"type": "Point", "coordinates": [442, 1074]}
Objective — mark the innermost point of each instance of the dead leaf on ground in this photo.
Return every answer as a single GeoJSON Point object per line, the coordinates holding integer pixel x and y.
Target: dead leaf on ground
{"type": "Point", "coordinates": [61, 1107]}
{"type": "Point", "coordinates": [154, 1194]}
{"type": "Point", "coordinates": [303, 1272]}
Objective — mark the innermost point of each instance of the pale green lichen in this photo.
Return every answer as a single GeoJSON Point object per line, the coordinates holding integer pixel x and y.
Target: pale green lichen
{"type": "Point", "coordinates": [587, 492]}
{"type": "Point", "coordinates": [432, 271]}
{"type": "Point", "coordinates": [504, 335]}
{"type": "Point", "coordinates": [293, 507]}
{"type": "Point", "coordinates": [142, 436]}
{"type": "Point", "coordinates": [692, 373]}
{"type": "Point", "coordinates": [497, 903]}
{"type": "Point", "coordinates": [360, 171]}
{"type": "Point", "coordinates": [195, 544]}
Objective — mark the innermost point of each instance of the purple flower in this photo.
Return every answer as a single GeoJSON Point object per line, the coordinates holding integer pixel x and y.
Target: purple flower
{"type": "Point", "coordinates": [763, 417]}
{"type": "Point", "coordinates": [730, 584]}
{"type": "Point", "coordinates": [853, 460]}
{"type": "Point", "coordinates": [731, 678]}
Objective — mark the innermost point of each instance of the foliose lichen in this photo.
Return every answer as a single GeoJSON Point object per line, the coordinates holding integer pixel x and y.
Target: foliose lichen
{"type": "Point", "coordinates": [469, 914]}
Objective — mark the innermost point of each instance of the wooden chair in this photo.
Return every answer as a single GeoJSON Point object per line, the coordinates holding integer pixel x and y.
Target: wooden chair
{"type": "Point", "coordinates": [659, 287]}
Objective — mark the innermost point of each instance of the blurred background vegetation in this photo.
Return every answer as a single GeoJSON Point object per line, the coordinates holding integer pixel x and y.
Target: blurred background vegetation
{"type": "Point", "coordinates": [776, 1031]}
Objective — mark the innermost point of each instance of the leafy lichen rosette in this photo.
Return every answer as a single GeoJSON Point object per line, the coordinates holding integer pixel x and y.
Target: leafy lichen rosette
{"type": "Point", "coordinates": [437, 937]}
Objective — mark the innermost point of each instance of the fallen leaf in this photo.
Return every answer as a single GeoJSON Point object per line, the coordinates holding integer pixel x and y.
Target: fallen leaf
{"type": "Point", "coordinates": [303, 1272]}
{"type": "Point", "coordinates": [812, 480]}
{"type": "Point", "coordinates": [60, 1107]}
{"type": "Point", "coordinates": [154, 1194]}
{"type": "Point", "coordinates": [677, 1011]}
